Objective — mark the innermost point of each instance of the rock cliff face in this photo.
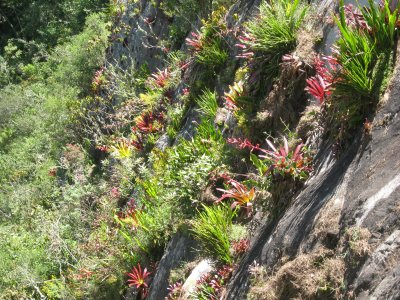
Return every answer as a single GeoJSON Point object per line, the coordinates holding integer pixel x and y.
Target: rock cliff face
{"type": "Point", "coordinates": [137, 39]}
{"type": "Point", "coordinates": [348, 209]}
{"type": "Point", "coordinates": [360, 190]}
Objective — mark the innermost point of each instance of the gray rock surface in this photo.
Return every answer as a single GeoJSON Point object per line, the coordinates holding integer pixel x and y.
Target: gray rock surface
{"type": "Point", "coordinates": [204, 267]}
{"type": "Point", "coordinates": [180, 249]}
{"type": "Point", "coordinates": [137, 42]}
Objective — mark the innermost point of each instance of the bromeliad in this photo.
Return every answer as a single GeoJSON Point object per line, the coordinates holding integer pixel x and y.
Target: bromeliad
{"type": "Point", "coordinates": [195, 42]}
{"type": "Point", "coordinates": [159, 79]}
{"type": "Point", "coordinates": [318, 87]}
{"type": "Point", "coordinates": [242, 195]}
{"type": "Point", "coordinates": [138, 277]}
{"type": "Point", "coordinates": [285, 161]}
{"type": "Point", "coordinates": [232, 97]}
{"type": "Point", "coordinates": [148, 123]}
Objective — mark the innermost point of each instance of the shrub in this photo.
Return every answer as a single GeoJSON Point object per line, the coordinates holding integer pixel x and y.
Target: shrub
{"type": "Point", "coordinates": [184, 13]}
{"type": "Point", "coordinates": [272, 33]}
{"type": "Point", "coordinates": [189, 164]}
{"type": "Point", "coordinates": [45, 224]}
{"type": "Point", "coordinates": [212, 228]}
{"type": "Point", "coordinates": [76, 62]}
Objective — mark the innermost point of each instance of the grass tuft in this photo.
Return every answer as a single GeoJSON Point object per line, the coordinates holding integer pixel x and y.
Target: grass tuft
{"type": "Point", "coordinates": [212, 229]}
{"type": "Point", "coordinates": [208, 104]}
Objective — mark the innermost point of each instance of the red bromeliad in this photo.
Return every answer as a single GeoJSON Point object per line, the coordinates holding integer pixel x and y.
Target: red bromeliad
{"type": "Point", "coordinates": [129, 216]}
{"type": "Point", "coordinates": [183, 65]}
{"type": "Point", "coordinates": [283, 161]}
{"type": "Point", "coordinates": [137, 142]}
{"type": "Point", "coordinates": [148, 123]}
{"type": "Point", "coordinates": [245, 46]}
{"type": "Point", "coordinates": [242, 195]}
{"type": "Point", "coordinates": [240, 247]}
{"type": "Point", "coordinates": [287, 162]}
{"type": "Point", "coordinates": [195, 42]}
{"type": "Point", "coordinates": [98, 79]}
{"type": "Point", "coordinates": [210, 286]}
{"type": "Point", "coordinates": [318, 87]}
{"type": "Point", "coordinates": [175, 291]}
{"type": "Point", "coordinates": [242, 144]}
{"type": "Point", "coordinates": [225, 272]}
{"type": "Point", "coordinates": [102, 148]}
{"type": "Point", "coordinates": [159, 79]}
{"type": "Point", "coordinates": [138, 277]}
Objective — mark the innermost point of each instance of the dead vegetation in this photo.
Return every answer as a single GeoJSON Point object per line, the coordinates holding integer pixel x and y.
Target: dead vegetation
{"type": "Point", "coordinates": [309, 276]}
{"type": "Point", "coordinates": [357, 240]}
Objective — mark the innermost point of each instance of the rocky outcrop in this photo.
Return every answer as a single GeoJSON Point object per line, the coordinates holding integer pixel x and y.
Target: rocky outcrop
{"type": "Point", "coordinates": [180, 250]}
{"type": "Point", "coordinates": [137, 38]}
{"type": "Point", "coordinates": [359, 190]}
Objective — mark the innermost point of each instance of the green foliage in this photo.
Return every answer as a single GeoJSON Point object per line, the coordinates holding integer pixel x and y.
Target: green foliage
{"type": "Point", "coordinates": [124, 83]}
{"type": "Point", "coordinates": [5, 76]}
{"type": "Point", "coordinates": [209, 45]}
{"type": "Point", "coordinates": [212, 53]}
{"type": "Point", "coordinates": [208, 104]}
{"type": "Point", "coordinates": [259, 164]}
{"type": "Point", "coordinates": [356, 57]}
{"type": "Point", "coordinates": [45, 21]}
{"type": "Point", "coordinates": [361, 53]}
{"type": "Point", "coordinates": [212, 228]}
{"type": "Point", "coordinates": [273, 33]}
{"type": "Point", "coordinates": [364, 63]}
{"type": "Point", "coordinates": [383, 21]}
{"type": "Point", "coordinates": [175, 116]}
{"type": "Point", "coordinates": [155, 226]}
{"type": "Point", "coordinates": [190, 162]}
{"type": "Point", "coordinates": [41, 226]}
{"type": "Point", "coordinates": [76, 62]}
{"type": "Point", "coordinates": [184, 13]}
{"type": "Point", "coordinates": [30, 29]}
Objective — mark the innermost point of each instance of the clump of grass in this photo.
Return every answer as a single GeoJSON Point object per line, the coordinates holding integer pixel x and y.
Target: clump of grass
{"type": "Point", "coordinates": [213, 53]}
{"type": "Point", "coordinates": [208, 104]}
{"type": "Point", "coordinates": [292, 280]}
{"type": "Point", "coordinates": [275, 29]}
{"type": "Point", "coordinates": [363, 51]}
{"type": "Point", "coordinates": [212, 228]}
{"type": "Point", "coordinates": [273, 33]}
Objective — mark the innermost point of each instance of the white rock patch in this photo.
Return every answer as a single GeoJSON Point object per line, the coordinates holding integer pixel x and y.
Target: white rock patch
{"type": "Point", "coordinates": [383, 193]}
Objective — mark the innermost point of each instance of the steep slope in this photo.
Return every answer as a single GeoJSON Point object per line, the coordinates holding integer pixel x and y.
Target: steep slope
{"type": "Point", "coordinates": [358, 192]}
{"type": "Point", "coordinates": [344, 217]}
{"type": "Point", "coordinates": [214, 150]}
